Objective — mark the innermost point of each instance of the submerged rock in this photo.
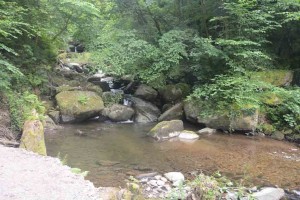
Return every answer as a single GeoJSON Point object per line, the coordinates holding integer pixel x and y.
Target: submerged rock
{"type": "Point", "coordinates": [208, 131]}
{"type": "Point", "coordinates": [277, 135]}
{"type": "Point", "coordinates": [188, 135]}
{"type": "Point", "coordinates": [33, 137]}
{"type": "Point", "coordinates": [269, 194]}
{"type": "Point", "coordinates": [166, 129]}
{"type": "Point", "coordinates": [118, 112]}
{"type": "Point", "coordinates": [78, 105]}
{"type": "Point", "coordinates": [175, 112]}
{"type": "Point", "coordinates": [145, 112]}
{"type": "Point", "coordinates": [146, 92]}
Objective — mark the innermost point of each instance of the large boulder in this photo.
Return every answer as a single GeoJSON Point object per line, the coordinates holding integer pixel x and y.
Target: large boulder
{"type": "Point", "coordinates": [118, 112]}
{"type": "Point", "coordinates": [33, 137]}
{"type": "Point", "coordinates": [145, 111]}
{"type": "Point", "coordinates": [174, 93]}
{"type": "Point", "coordinates": [166, 130]}
{"type": "Point", "coordinates": [175, 112]}
{"type": "Point", "coordinates": [78, 105]}
{"type": "Point", "coordinates": [192, 111]}
{"type": "Point", "coordinates": [146, 92]}
{"type": "Point", "coordinates": [243, 122]}
{"type": "Point", "coordinates": [274, 77]}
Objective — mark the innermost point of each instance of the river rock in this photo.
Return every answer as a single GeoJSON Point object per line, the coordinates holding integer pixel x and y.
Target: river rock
{"type": "Point", "coordinates": [145, 112]}
{"type": "Point", "coordinates": [269, 194]}
{"type": "Point", "coordinates": [208, 131]}
{"type": "Point", "coordinates": [192, 110]}
{"type": "Point", "coordinates": [118, 112]}
{"type": "Point", "coordinates": [277, 135]}
{"type": "Point", "coordinates": [33, 137]}
{"type": "Point", "coordinates": [78, 105]}
{"type": "Point", "coordinates": [175, 112]}
{"type": "Point", "coordinates": [188, 135]}
{"type": "Point", "coordinates": [174, 176]}
{"type": "Point", "coordinates": [171, 93]}
{"type": "Point", "coordinates": [54, 115]}
{"type": "Point", "coordinates": [146, 92]}
{"type": "Point", "coordinates": [166, 130]}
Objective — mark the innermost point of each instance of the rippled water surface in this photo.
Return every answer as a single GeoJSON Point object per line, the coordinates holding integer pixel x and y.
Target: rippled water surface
{"type": "Point", "coordinates": [112, 152]}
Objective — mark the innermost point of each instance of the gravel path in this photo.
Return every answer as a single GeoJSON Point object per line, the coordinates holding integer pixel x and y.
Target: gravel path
{"type": "Point", "coordinates": [28, 176]}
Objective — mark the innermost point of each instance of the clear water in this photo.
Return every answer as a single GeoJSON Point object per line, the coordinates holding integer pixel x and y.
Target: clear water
{"type": "Point", "coordinates": [112, 152]}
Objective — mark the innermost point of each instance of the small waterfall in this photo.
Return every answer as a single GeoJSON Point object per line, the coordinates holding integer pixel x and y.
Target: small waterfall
{"type": "Point", "coordinates": [125, 102]}
{"type": "Point", "coordinates": [76, 49]}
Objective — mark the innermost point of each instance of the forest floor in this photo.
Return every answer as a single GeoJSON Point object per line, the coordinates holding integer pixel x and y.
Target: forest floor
{"type": "Point", "coordinates": [29, 176]}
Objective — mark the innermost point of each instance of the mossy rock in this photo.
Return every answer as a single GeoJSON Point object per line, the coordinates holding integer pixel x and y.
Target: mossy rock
{"type": "Point", "coordinates": [274, 77]}
{"type": "Point", "coordinates": [79, 105]}
{"type": "Point", "coordinates": [33, 137]}
{"type": "Point", "coordinates": [268, 129]}
{"type": "Point", "coordinates": [174, 93]}
{"type": "Point", "coordinates": [272, 99]}
{"type": "Point", "coordinates": [166, 129]}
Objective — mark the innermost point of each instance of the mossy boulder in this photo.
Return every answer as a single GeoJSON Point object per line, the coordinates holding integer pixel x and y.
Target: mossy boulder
{"type": "Point", "coordinates": [272, 99]}
{"type": "Point", "coordinates": [146, 92]}
{"type": "Point", "coordinates": [174, 93]}
{"type": "Point", "coordinates": [118, 112]}
{"type": "Point", "coordinates": [274, 77]}
{"type": "Point", "coordinates": [166, 130]}
{"type": "Point", "coordinates": [78, 105]}
{"type": "Point", "coordinates": [33, 137]}
{"type": "Point", "coordinates": [175, 112]}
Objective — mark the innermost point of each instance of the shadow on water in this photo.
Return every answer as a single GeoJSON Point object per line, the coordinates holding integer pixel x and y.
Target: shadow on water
{"type": "Point", "coordinates": [112, 152]}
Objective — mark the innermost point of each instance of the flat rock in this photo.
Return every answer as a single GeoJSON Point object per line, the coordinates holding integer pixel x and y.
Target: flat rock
{"type": "Point", "coordinates": [174, 176]}
{"type": "Point", "coordinates": [207, 131]}
{"type": "Point", "coordinates": [269, 194]}
{"type": "Point", "coordinates": [188, 135]}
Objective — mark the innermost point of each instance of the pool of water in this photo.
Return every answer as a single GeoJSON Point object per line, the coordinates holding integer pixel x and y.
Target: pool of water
{"type": "Point", "coordinates": [111, 152]}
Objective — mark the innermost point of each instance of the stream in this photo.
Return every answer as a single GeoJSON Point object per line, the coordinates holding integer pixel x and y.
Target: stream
{"type": "Point", "coordinates": [111, 152]}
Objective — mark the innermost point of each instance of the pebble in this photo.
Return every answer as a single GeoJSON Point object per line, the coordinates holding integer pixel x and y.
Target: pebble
{"type": "Point", "coordinates": [160, 182]}
{"type": "Point", "coordinates": [152, 182]}
{"type": "Point", "coordinates": [164, 179]}
{"type": "Point", "coordinates": [158, 177]}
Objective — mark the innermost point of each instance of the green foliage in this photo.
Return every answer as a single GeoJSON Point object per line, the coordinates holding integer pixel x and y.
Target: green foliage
{"type": "Point", "coordinates": [83, 99]}
{"type": "Point", "coordinates": [110, 98]}
{"type": "Point", "coordinates": [79, 171]}
{"type": "Point", "coordinates": [23, 107]}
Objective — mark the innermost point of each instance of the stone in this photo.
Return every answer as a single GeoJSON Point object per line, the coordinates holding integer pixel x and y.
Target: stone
{"type": "Point", "coordinates": [146, 92]}
{"type": "Point", "coordinates": [277, 135]}
{"type": "Point", "coordinates": [192, 110]}
{"type": "Point", "coordinates": [173, 93]}
{"type": "Point", "coordinates": [174, 176]}
{"type": "Point", "coordinates": [275, 77]}
{"type": "Point", "coordinates": [145, 112]}
{"type": "Point", "coordinates": [33, 137]}
{"type": "Point", "coordinates": [166, 130]}
{"type": "Point", "coordinates": [78, 105]}
{"type": "Point", "coordinates": [188, 135]}
{"type": "Point", "coordinates": [160, 182]}
{"type": "Point", "coordinates": [118, 113]}
{"type": "Point", "coordinates": [49, 123]}
{"type": "Point", "coordinates": [269, 193]}
{"type": "Point", "coordinates": [147, 175]}
{"type": "Point", "coordinates": [175, 112]}
{"type": "Point", "coordinates": [208, 131]}
{"type": "Point", "coordinates": [55, 116]}
{"type": "Point", "coordinates": [152, 182]}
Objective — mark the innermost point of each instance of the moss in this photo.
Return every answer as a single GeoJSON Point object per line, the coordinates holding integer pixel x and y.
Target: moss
{"type": "Point", "coordinates": [185, 89]}
{"type": "Point", "coordinates": [274, 77]}
{"type": "Point", "coordinates": [33, 137]}
{"type": "Point", "coordinates": [268, 129]}
{"type": "Point", "coordinates": [272, 99]}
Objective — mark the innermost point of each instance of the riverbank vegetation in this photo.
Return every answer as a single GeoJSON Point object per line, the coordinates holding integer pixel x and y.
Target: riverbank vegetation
{"type": "Point", "coordinates": [236, 55]}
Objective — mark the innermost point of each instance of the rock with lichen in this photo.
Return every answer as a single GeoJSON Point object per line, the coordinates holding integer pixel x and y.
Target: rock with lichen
{"type": "Point", "coordinates": [78, 105]}
{"type": "Point", "coordinates": [33, 137]}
